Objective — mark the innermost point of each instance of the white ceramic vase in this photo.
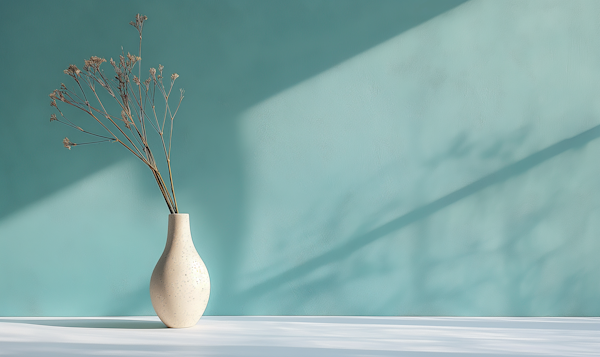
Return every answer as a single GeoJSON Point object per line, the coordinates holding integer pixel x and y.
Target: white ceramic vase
{"type": "Point", "coordinates": [180, 286]}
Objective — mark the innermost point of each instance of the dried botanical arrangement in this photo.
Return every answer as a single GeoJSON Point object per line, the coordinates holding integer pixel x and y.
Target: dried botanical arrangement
{"type": "Point", "coordinates": [137, 101]}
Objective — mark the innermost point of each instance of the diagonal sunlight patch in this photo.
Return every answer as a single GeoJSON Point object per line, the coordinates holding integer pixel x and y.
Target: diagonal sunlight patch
{"type": "Point", "coordinates": [417, 124]}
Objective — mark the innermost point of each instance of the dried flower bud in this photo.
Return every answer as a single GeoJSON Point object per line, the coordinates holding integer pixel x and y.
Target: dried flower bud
{"type": "Point", "coordinates": [160, 68]}
{"type": "Point", "coordinates": [72, 71]}
{"type": "Point", "coordinates": [68, 144]}
{"type": "Point", "coordinates": [94, 62]}
{"type": "Point", "coordinates": [53, 117]}
{"type": "Point", "coordinates": [53, 103]}
{"type": "Point", "coordinates": [153, 72]}
{"type": "Point", "coordinates": [139, 21]}
{"type": "Point", "coordinates": [174, 76]}
{"type": "Point", "coordinates": [56, 94]}
{"type": "Point", "coordinates": [97, 60]}
{"type": "Point", "coordinates": [136, 80]}
{"type": "Point", "coordinates": [112, 62]}
{"type": "Point", "coordinates": [132, 58]}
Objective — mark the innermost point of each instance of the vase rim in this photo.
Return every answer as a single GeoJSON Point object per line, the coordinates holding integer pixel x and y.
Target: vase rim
{"type": "Point", "coordinates": [179, 214]}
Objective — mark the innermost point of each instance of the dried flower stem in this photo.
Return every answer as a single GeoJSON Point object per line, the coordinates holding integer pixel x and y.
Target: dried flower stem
{"type": "Point", "coordinates": [130, 126]}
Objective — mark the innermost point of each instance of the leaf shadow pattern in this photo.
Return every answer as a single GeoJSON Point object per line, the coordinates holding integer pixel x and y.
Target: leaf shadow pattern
{"type": "Point", "coordinates": [360, 241]}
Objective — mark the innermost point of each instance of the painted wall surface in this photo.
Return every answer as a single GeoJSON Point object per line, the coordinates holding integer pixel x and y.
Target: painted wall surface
{"type": "Point", "coordinates": [336, 158]}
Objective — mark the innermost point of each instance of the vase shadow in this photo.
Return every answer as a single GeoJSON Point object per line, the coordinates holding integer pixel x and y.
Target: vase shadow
{"type": "Point", "coordinates": [91, 323]}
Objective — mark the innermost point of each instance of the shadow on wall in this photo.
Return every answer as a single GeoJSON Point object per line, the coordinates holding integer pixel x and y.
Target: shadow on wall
{"type": "Point", "coordinates": [230, 55]}
{"type": "Point", "coordinates": [249, 52]}
{"type": "Point", "coordinates": [331, 263]}
{"type": "Point", "coordinates": [432, 175]}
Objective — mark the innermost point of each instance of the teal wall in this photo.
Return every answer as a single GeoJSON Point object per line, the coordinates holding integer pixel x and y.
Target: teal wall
{"type": "Point", "coordinates": [336, 158]}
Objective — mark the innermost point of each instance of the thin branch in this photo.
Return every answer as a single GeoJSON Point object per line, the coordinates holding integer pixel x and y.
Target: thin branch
{"type": "Point", "coordinates": [133, 104]}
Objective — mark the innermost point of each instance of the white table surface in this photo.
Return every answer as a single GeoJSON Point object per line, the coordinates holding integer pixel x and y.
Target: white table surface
{"type": "Point", "coordinates": [301, 336]}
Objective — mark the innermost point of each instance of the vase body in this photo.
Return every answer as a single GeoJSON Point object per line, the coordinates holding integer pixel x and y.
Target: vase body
{"type": "Point", "coordinates": [180, 286]}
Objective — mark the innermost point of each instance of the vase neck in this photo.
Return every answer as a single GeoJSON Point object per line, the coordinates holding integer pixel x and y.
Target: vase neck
{"type": "Point", "coordinates": [179, 228]}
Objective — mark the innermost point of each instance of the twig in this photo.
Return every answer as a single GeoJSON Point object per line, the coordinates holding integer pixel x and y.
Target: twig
{"type": "Point", "coordinates": [132, 103]}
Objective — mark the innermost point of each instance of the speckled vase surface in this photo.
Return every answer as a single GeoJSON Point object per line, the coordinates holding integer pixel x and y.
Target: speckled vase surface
{"type": "Point", "coordinates": [180, 286]}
